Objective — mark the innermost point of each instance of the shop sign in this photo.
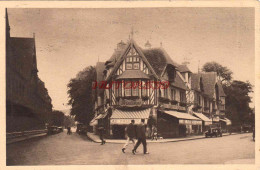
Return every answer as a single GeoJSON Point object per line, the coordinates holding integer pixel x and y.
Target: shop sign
{"type": "Point", "coordinates": [127, 102]}
{"type": "Point", "coordinates": [207, 123]}
{"type": "Point", "coordinates": [125, 121]}
{"type": "Point", "coordinates": [189, 122]}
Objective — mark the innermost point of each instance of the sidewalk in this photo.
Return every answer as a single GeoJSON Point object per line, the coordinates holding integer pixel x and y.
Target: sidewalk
{"type": "Point", "coordinates": [96, 139]}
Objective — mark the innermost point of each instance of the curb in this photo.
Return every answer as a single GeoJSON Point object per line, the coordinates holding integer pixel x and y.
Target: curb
{"type": "Point", "coordinates": [174, 140]}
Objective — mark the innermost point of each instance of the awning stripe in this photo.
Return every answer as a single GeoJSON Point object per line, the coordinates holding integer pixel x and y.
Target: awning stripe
{"type": "Point", "coordinates": [180, 115]}
{"type": "Point", "coordinates": [202, 117]}
{"type": "Point", "coordinates": [121, 114]}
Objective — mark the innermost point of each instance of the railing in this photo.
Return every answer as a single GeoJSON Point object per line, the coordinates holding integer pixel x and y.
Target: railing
{"type": "Point", "coordinates": [10, 137]}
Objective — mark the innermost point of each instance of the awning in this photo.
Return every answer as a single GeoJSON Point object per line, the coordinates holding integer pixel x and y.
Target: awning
{"type": "Point", "coordinates": [94, 122]}
{"type": "Point", "coordinates": [122, 117]}
{"type": "Point", "coordinates": [227, 121]}
{"type": "Point", "coordinates": [185, 118]}
{"type": "Point", "coordinates": [203, 118]}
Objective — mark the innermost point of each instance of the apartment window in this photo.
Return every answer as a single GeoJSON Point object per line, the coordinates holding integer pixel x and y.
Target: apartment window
{"type": "Point", "coordinates": [173, 94]}
{"type": "Point", "coordinates": [131, 88]}
{"type": "Point", "coordinates": [133, 63]}
{"type": "Point", "coordinates": [182, 97]}
{"type": "Point", "coordinates": [144, 89]}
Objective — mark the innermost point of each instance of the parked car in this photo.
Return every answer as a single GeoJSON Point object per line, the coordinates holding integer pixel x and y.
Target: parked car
{"type": "Point", "coordinates": [60, 129]}
{"type": "Point", "coordinates": [52, 129]}
{"type": "Point", "coordinates": [213, 132]}
{"type": "Point", "coordinates": [81, 128]}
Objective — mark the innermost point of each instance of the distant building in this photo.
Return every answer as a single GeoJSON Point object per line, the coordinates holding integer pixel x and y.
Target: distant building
{"type": "Point", "coordinates": [27, 100]}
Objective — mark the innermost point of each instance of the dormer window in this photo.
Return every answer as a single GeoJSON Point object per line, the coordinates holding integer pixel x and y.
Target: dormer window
{"type": "Point", "coordinates": [133, 63]}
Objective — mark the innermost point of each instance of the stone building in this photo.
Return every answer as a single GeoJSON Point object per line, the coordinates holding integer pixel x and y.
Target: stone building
{"type": "Point", "coordinates": [176, 101]}
{"type": "Point", "coordinates": [27, 100]}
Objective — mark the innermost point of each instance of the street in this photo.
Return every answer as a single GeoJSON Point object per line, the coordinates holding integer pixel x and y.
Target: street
{"type": "Point", "coordinates": [63, 149]}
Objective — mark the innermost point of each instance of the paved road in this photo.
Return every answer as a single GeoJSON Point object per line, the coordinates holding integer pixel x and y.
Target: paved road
{"type": "Point", "coordinates": [62, 149]}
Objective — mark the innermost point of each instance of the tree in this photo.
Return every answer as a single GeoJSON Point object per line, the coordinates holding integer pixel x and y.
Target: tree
{"type": "Point", "coordinates": [82, 99]}
{"type": "Point", "coordinates": [57, 118]}
{"type": "Point", "coordinates": [237, 102]}
{"type": "Point", "coordinates": [223, 73]}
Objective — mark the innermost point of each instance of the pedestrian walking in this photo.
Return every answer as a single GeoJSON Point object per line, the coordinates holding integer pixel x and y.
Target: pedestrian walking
{"type": "Point", "coordinates": [101, 134]}
{"type": "Point", "coordinates": [141, 138]}
{"type": "Point", "coordinates": [69, 130]}
{"type": "Point", "coordinates": [130, 133]}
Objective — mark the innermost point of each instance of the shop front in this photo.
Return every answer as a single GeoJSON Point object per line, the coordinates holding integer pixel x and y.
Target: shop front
{"type": "Point", "coordinates": [121, 118]}
{"type": "Point", "coordinates": [178, 124]}
{"type": "Point", "coordinates": [225, 124]}
{"type": "Point", "coordinates": [206, 122]}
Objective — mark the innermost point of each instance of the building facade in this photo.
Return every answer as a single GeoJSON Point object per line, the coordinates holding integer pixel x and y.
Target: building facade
{"type": "Point", "coordinates": [137, 83]}
{"type": "Point", "coordinates": [27, 100]}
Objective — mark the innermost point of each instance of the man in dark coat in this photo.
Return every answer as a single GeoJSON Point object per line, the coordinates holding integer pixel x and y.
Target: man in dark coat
{"type": "Point", "coordinates": [130, 132]}
{"type": "Point", "coordinates": [140, 134]}
{"type": "Point", "coordinates": [101, 134]}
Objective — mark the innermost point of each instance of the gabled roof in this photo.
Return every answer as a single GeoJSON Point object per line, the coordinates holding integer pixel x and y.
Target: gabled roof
{"type": "Point", "coordinates": [209, 80]}
{"type": "Point", "coordinates": [179, 82]}
{"type": "Point", "coordinates": [195, 81]}
{"type": "Point", "coordinates": [183, 68]}
{"type": "Point", "coordinates": [119, 60]}
{"type": "Point", "coordinates": [133, 74]}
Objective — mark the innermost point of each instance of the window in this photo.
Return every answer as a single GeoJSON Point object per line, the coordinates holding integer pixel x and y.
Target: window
{"type": "Point", "coordinates": [128, 88]}
{"type": "Point", "coordinates": [144, 88]}
{"type": "Point", "coordinates": [173, 94]}
{"type": "Point", "coordinates": [166, 92]}
{"type": "Point", "coordinates": [199, 100]}
{"type": "Point", "coordinates": [133, 62]}
{"type": "Point", "coordinates": [182, 97]}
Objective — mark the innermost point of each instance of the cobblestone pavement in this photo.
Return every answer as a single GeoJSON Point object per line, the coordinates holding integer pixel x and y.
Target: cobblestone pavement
{"type": "Point", "coordinates": [62, 149]}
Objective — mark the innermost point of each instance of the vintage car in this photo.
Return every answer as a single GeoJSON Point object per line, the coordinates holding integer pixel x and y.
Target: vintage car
{"type": "Point", "coordinates": [81, 128]}
{"type": "Point", "coordinates": [213, 132]}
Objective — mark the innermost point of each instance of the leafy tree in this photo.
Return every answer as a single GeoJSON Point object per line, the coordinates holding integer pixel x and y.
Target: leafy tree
{"type": "Point", "coordinates": [57, 118]}
{"type": "Point", "coordinates": [224, 74]}
{"type": "Point", "coordinates": [82, 98]}
{"type": "Point", "coordinates": [237, 102]}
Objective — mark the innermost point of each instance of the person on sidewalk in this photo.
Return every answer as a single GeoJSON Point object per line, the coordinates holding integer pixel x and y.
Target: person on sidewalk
{"type": "Point", "coordinates": [130, 133]}
{"type": "Point", "coordinates": [101, 134]}
{"type": "Point", "coordinates": [154, 133]}
{"type": "Point", "coordinates": [141, 138]}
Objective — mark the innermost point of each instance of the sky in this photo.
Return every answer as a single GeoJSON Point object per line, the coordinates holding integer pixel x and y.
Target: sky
{"type": "Point", "coordinates": [68, 40]}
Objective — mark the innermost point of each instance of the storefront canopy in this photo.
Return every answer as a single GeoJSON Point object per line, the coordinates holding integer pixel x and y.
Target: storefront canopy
{"type": "Point", "coordinates": [94, 122]}
{"type": "Point", "coordinates": [180, 115]}
{"type": "Point", "coordinates": [202, 117]}
{"type": "Point", "coordinates": [185, 118]}
{"type": "Point", "coordinates": [122, 117]}
{"type": "Point", "coordinates": [227, 121]}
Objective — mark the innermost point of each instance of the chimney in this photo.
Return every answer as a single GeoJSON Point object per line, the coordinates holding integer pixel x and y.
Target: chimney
{"type": "Point", "coordinates": [147, 44]}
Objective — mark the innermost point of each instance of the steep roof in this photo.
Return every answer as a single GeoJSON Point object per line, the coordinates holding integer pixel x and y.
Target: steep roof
{"type": "Point", "coordinates": [183, 68]}
{"type": "Point", "coordinates": [158, 58]}
{"type": "Point", "coordinates": [195, 79]}
{"type": "Point", "coordinates": [209, 80]}
{"type": "Point", "coordinates": [179, 83]}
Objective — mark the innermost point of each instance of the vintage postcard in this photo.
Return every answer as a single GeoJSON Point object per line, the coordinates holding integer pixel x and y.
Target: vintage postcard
{"type": "Point", "coordinates": [129, 84]}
